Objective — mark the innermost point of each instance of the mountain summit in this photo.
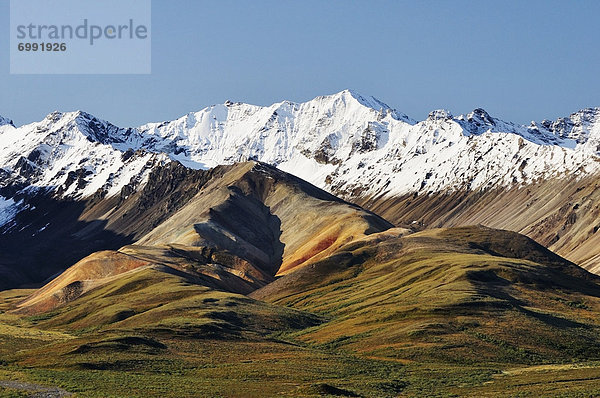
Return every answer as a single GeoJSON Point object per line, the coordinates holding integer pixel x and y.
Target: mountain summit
{"type": "Point", "coordinates": [4, 121]}
{"type": "Point", "coordinates": [346, 143]}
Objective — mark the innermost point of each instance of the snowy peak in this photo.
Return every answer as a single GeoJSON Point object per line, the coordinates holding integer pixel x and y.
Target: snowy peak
{"type": "Point", "coordinates": [346, 142]}
{"type": "Point", "coordinates": [583, 127]}
{"type": "Point", "coordinates": [580, 119]}
{"type": "Point", "coordinates": [480, 122]}
{"type": "Point", "coordinates": [98, 130]}
{"type": "Point", "coordinates": [4, 121]}
{"type": "Point", "coordinates": [71, 154]}
{"type": "Point", "coordinates": [439, 114]}
{"type": "Point", "coordinates": [76, 125]}
{"type": "Point", "coordinates": [349, 99]}
{"type": "Point", "coordinates": [351, 96]}
{"type": "Point", "coordinates": [368, 101]}
{"type": "Point", "coordinates": [480, 117]}
{"type": "Point", "coordinates": [586, 116]}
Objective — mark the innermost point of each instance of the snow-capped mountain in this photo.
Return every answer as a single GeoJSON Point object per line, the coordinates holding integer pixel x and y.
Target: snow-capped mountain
{"type": "Point", "coordinates": [346, 143]}
{"type": "Point", "coordinates": [350, 144]}
{"type": "Point", "coordinates": [70, 177]}
{"type": "Point", "coordinates": [4, 122]}
{"type": "Point", "coordinates": [72, 154]}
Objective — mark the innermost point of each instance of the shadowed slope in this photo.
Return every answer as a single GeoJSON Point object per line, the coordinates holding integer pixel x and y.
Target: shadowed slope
{"type": "Point", "coordinates": [243, 224]}
{"type": "Point", "coordinates": [28, 244]}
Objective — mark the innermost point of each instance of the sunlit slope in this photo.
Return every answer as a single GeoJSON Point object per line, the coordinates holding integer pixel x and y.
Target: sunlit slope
{"type": "Point", "coordinates": [155, 335]}
{"type": "Point", "coordinates": [561, 214]}
{"type": "Point", "coordinates": [96, 269]}
{"type": "Point", "coordinates": [244, 224]}
{"type": "Point", "coordinates": [209, 268]}
{"type": "Point", "coordinates": [268, 217]}
{"type": "Point", "coordinates": [468, 294]}
{"type": "Point", "coordinates": [155, 300]}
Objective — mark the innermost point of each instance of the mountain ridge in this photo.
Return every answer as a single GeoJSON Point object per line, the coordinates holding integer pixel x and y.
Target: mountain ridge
{"type": "Point", "coordinates": [350, 145]}
{"type": "Point", "coordinates": [248, 218]}
{"type": "Point", "coordinates": [322, 141]}
{"type": "Point", "coordinates": [560, 128]}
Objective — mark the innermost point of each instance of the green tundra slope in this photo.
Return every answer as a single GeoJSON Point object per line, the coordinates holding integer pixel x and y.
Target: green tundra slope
{"type": "Point", "coordinates": [466, 311]}
{"type": "Point", "coordinates": [469, 295]}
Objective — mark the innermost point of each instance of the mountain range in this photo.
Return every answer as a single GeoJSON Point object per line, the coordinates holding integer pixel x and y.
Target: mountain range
{"type": "Point", "coordinates": [334, 247]}
{"type": "Point", "coordinates": [339, 142]}
{"type": "Point", "coordinates": [443, 171]}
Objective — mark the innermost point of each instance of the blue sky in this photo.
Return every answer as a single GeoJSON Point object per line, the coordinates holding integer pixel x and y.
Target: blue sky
{"type": "Point", "coordinates": [520, 60]}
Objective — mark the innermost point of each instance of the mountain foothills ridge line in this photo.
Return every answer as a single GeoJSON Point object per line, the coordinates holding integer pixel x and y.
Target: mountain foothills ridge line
{"type": "Point", "coordinates": [540, 179]}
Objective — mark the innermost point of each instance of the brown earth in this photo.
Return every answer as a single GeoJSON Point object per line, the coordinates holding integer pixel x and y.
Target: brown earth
{"type": "Point", "coordinates": [561, 214]}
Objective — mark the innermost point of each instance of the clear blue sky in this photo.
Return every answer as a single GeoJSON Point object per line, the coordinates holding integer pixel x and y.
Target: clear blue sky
{"type": "Point", "coordinates": [520, 60]}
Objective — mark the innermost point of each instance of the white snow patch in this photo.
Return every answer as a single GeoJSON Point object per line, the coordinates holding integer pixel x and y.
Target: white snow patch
{"type": "Point", "coordinates": [8, 210]}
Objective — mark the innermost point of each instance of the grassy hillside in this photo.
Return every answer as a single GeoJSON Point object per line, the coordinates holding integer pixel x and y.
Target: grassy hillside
{"type": "Point", "coordinates": [459, 312]}
{"type": "Point", "coordinates": [465, 295]}
{"type": "Point", "coordinates": [150, 333]}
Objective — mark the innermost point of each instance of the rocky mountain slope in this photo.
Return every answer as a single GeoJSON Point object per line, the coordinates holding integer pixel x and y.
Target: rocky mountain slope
{"type": "Point", "coordinates": [72, 168]}
{"type": "Point", "coordinates": [562, 214]}
{"type": "Point", "coordinates": [233, 227]}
